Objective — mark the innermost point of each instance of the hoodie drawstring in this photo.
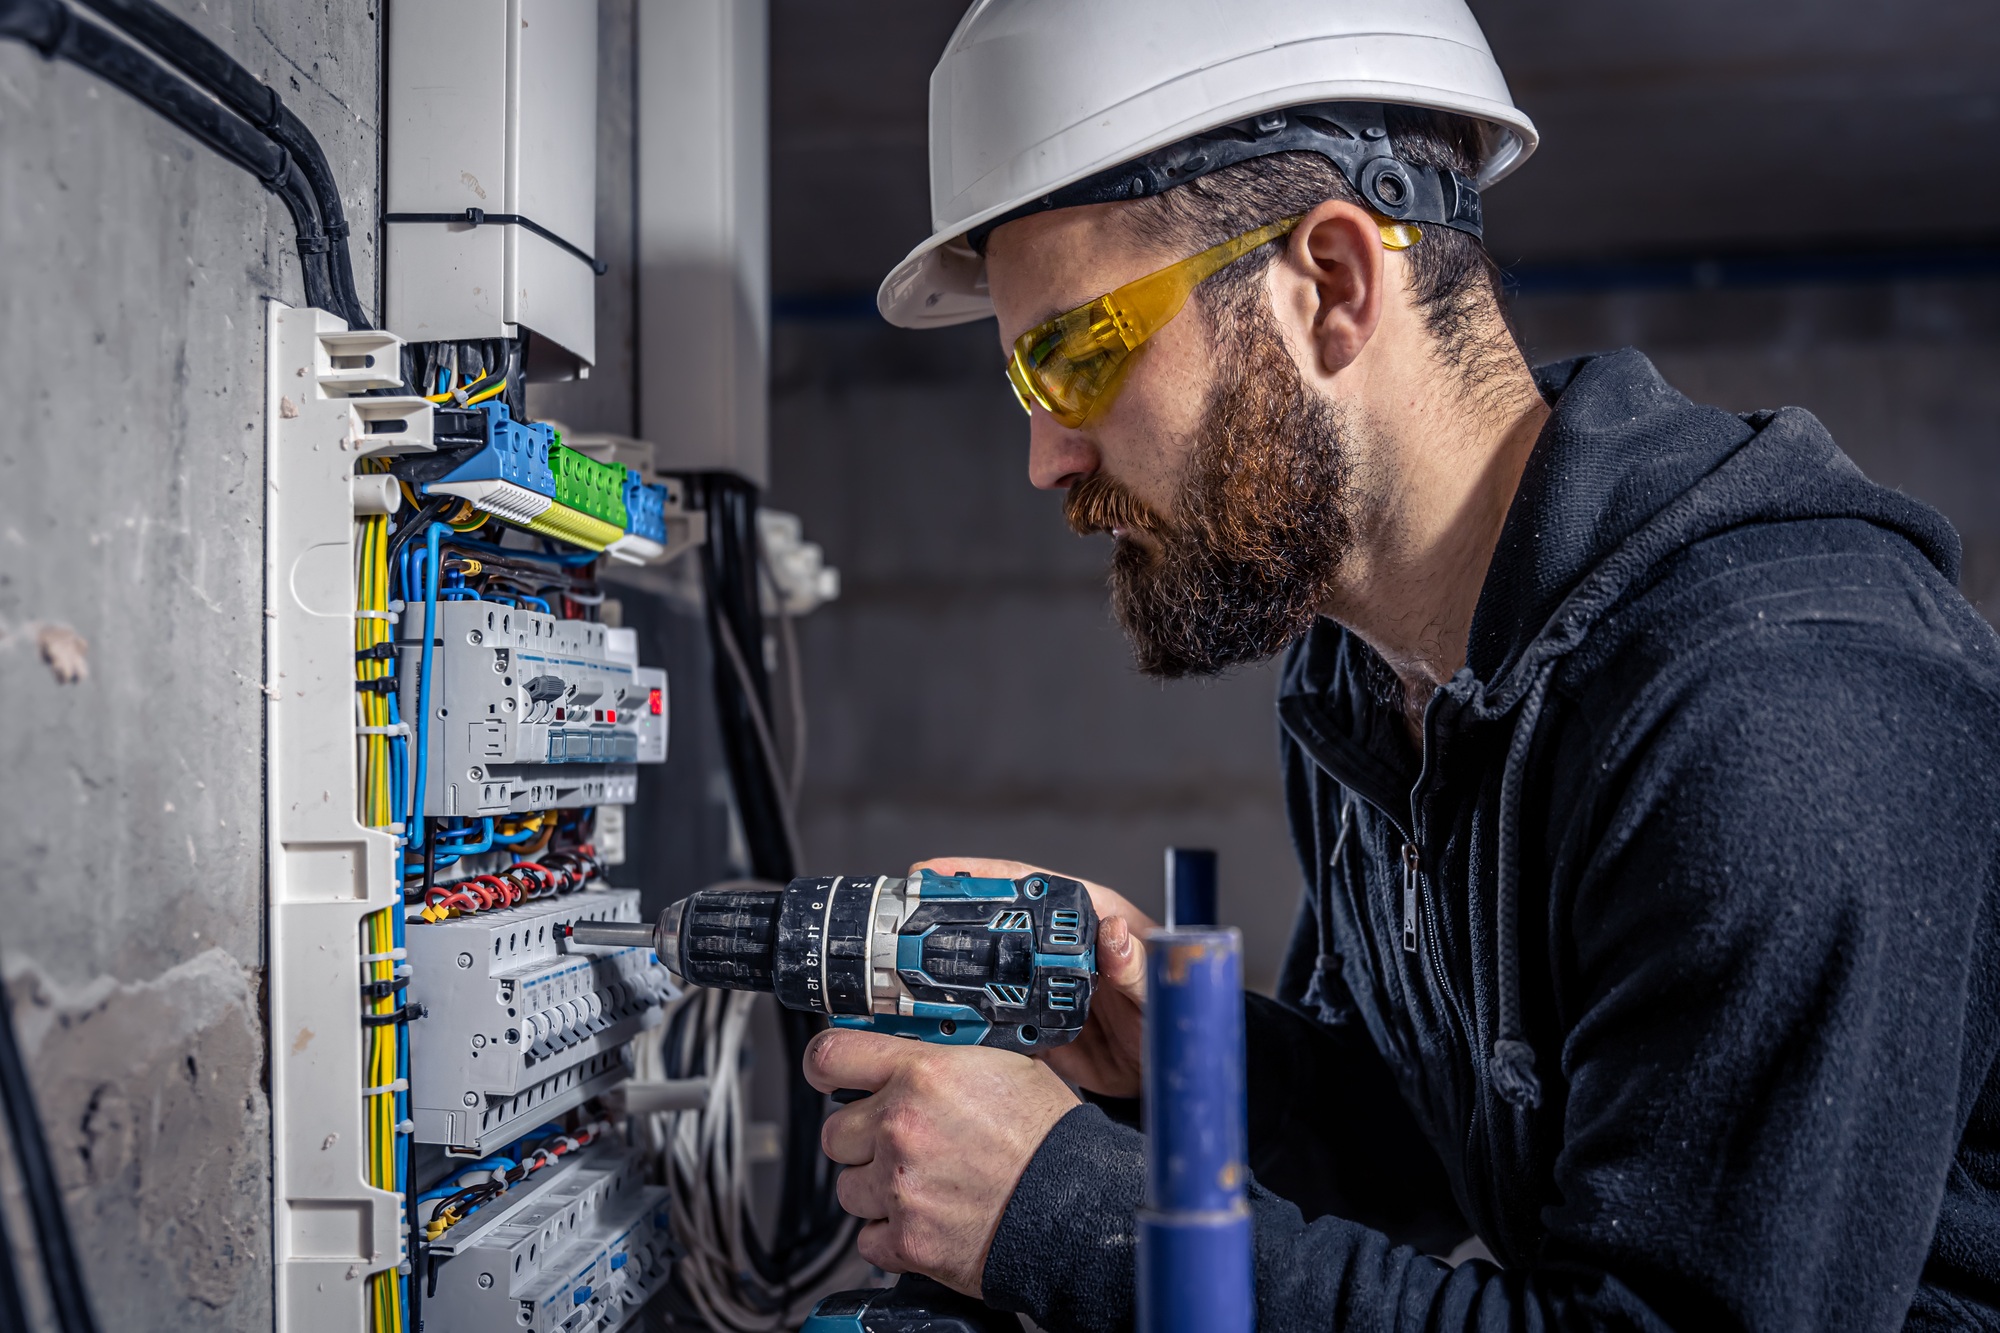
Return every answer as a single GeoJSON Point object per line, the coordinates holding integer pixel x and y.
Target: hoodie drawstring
{"type": "Point", "coordinates": [1319, 987]}
{"type": "Point", "coordinates": [1513, 1058]}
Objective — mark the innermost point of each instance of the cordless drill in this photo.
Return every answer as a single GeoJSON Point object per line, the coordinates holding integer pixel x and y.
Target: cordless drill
{"type": "Point", "coordinates": [955, 959]}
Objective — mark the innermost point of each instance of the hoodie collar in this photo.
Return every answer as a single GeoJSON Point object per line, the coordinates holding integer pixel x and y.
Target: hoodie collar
{"type": "Point", "coordinates": [1626, 472]}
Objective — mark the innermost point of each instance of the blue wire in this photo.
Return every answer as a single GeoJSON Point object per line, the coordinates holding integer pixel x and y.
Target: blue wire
{"type": "Point", "coordinates": [538, 602]}
{"type": "Point", "coordinates": [451, 1186]}
{"type": "Point", "coordinates": [423, 729]}
{"type": "Point", "coordinates": [485, 843]}
{"type": "Point", "coordinates": [521, 553]}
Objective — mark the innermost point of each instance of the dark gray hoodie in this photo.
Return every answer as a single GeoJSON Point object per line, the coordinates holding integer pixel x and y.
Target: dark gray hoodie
{"type": "Point", "coordinates": [1670, 967]}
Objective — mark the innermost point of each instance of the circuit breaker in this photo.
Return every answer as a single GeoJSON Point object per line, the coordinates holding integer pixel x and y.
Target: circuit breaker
{"type": "Point", "coordinates": [579, 1248]}
{"type": "Point", "coordinates": [518, 1026]}
{"type": "Point", "coordinates": [530, 711]}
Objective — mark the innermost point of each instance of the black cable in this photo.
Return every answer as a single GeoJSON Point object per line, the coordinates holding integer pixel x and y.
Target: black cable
{"type": "Point", "coordinates": [809, 1210]}
{"type": "Point", "coordinates": [38, 1179]}
{"type": "Point", "coordinates": [180, 45]}
{"type": "Point", "coordinates": [56, 31]}
{"type": "Point", "coordinates": [13, 1315]}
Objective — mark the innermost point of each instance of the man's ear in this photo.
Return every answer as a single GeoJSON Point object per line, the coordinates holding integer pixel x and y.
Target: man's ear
{"type": "Point", "coordinates": [1328, 285]}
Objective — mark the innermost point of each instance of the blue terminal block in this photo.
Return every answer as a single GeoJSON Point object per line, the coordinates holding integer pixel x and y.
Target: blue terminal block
{"type": "Point", "coordinates": [1195, 1272]}
{"type": "Point", "coordinates": [512, 475]}
{"type": "Point", "coordinates": [645, 508]}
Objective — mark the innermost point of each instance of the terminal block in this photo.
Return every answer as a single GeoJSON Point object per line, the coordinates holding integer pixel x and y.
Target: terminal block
{"type": "Point", "coordinates": [523, 473]}
{"type": "Point", "coordinates": [577, 1248]}
{"type": "Point", "coordinates": [519, 1025]}
{"type": "Point", "coordinates": [531, 712]}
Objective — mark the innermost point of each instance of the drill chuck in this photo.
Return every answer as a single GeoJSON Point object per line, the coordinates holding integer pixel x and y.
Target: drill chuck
{"type": "Point", "coordinates": [948, 958]}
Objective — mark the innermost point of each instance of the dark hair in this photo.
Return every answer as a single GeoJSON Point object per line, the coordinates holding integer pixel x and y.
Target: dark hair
{"type": "Point", "coordinates": [1453, 281]}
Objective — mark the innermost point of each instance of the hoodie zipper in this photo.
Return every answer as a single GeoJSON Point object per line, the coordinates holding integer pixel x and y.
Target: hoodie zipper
{"type": "Point", "coordinates": [1412, 867]}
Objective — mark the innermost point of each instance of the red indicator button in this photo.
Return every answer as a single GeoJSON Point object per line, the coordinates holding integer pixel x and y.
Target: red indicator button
{"type": "Point", "coordinates": [610, 715]}
{"type": "Point", "coordinates": [597, 714]}
{"type": "Point", "coordinates": [659, 705]}
{"type": "Point", "coordinates": [559, 714]}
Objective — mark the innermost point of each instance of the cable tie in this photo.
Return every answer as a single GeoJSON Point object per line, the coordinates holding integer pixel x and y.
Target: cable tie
{"type": "Point", "coordinates": [409, 1013]}
{"type": "Point", "coordinates": [393, 729]}
{"type": "Point", "coordinates": [390, 616]}
{"type": "Point", "coordinates": [277, 177]}
{"type": "Point", "coordinates": [64, 23]}
{"type": "Point", "coordinates": [379, 685]}
{"type": "Point", "coordinates": [394, 955]}
{"type": "Point", "coordinates": [273, 115]}
{"type": "Point", "coordinates": [406, 1126]}
{"type": "Point", "coordinates": [400, 1085]}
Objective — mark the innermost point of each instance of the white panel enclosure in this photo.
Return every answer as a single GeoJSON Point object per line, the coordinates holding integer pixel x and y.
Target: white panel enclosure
{"type": "Point", "coordinates": [704, 235]}
{"type": "Point", "coordinates": [492, 105]}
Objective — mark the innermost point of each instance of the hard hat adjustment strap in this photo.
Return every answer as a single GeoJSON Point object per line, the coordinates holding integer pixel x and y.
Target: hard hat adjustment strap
{"type": "Point", "coordinates": [1351, 135]}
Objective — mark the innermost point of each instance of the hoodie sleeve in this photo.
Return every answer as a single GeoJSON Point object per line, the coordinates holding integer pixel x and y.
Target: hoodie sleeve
{"type": "Point", "coordinates": [1773, 943]}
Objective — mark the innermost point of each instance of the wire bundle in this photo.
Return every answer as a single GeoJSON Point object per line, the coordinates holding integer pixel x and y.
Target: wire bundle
{"type": "Point", "coordinates": [466, 374]}
{"type": "Point", "coordinates": [736, 1283]}
{"type": "Point", "coordinates": [564, 872]}
{"type": "Point", "coordinates": [385, 1054]}
{"type": "Point", "coordinates": [455, 1200]}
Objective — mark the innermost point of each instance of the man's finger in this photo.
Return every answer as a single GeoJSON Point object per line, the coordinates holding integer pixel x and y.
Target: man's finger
{"type": "Point", "coordinates": [1121, 958]}
{"type": "Point", "coordinates": [979, 867]}
{"type": "Point", "coordinates": [842, 1058]}
{"type": "Point", "coordinates": [848, 1137]}
{"type": "Point", "coordinates": [877, 1244]}
{"type": "Point", "coordinates": [862, 1193]}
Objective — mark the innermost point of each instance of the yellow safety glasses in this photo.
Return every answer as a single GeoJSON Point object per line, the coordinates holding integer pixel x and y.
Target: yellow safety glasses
{"type": "Point", "coordinates": [1071, 365]}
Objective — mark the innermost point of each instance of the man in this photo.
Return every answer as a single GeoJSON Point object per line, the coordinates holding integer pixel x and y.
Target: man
{"type": "Point", "coordinates": [1642, 759]}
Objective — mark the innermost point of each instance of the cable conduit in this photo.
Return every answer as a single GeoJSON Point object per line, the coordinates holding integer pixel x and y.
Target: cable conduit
{"type": "Point", "coordinates": [52, 28]}
{"type": "Point", "coordinates": [182, 46]}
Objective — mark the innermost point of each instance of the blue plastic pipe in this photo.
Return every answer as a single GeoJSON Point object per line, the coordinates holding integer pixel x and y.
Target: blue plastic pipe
{"type": "Point", "coordinates": [1191, 888]}
{"type": "Point", "coordinates": [1195, 1271]}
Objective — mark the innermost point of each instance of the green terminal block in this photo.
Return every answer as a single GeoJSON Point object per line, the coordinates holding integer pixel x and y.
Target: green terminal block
{"type": "Point", "coordinates": [588, 486]}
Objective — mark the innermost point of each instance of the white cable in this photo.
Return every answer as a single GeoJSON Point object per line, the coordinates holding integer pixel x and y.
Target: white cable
{"type": "Point", "coordinates": [708, 1167]}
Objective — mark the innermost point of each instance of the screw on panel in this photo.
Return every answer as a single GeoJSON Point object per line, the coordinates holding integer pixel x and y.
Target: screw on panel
{"type": "Point", "coordinates": [465, 960]}
{"type": "Point", "coordinates": [478, 1040]}
{"type": "Point", "coordinates": [485, 1280]}
{"type": "Point", "coordinates": [471, 1099]}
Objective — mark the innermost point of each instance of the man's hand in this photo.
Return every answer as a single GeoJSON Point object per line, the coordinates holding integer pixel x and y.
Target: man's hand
{"type": "Point", "coordinates": [1105, 1057]}
{"type": "Point", "coordinates": [936, 1149]}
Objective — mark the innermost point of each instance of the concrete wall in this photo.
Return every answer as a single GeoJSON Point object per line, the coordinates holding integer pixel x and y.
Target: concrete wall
{"type": "Point", "coordinates": [134, 267]}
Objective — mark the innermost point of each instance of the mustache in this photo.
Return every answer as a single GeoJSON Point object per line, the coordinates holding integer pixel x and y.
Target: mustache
{"type": "Point", "coordinates": [1099, 503]}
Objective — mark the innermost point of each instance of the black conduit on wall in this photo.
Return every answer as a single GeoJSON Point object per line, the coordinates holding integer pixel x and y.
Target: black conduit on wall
{"type": "Point", "coordinates": [180, 45]}
{"type": "Point", "coordinates": [52, 28]}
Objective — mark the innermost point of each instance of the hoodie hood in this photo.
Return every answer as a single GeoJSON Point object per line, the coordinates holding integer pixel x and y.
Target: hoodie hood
{"type": "Point", "coordinates": [1628, 471]}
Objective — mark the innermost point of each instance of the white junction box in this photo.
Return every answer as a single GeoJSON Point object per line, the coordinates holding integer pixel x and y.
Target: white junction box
{"type": "Point", "coordinates": [520, 1025]}
{"type": "Point", "coordinates": [490, 172]}
{"type": "Point", "coordinates": [578, 1248]}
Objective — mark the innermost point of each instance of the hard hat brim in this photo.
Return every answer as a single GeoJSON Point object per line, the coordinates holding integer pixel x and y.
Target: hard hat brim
{"type": "Point", "coordinates": [943, 281]}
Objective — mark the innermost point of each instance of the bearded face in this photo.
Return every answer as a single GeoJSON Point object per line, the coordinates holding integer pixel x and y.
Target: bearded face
{"type": "Point", "coordinates": [1259, 527]}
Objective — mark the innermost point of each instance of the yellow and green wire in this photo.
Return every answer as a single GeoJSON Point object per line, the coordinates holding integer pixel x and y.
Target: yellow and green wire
{"type": "Point", "coordinates": [382, 1046]}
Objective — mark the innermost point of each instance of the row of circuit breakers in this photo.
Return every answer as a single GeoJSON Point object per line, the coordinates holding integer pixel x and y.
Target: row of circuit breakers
{"type": "Point", "coordinates": [533, 712]}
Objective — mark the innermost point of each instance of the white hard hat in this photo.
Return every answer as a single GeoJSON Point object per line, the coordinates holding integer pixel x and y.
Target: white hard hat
{"type": "Point", "coordinates": [1033, 96]}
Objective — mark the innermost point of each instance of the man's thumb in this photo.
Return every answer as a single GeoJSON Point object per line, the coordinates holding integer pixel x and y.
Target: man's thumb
{"type": "Point", "coordinates": [1121, 958]}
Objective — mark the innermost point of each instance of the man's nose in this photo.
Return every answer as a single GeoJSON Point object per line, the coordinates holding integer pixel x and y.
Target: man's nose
{"type": "Point", "coordinates": [1058, 457]}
